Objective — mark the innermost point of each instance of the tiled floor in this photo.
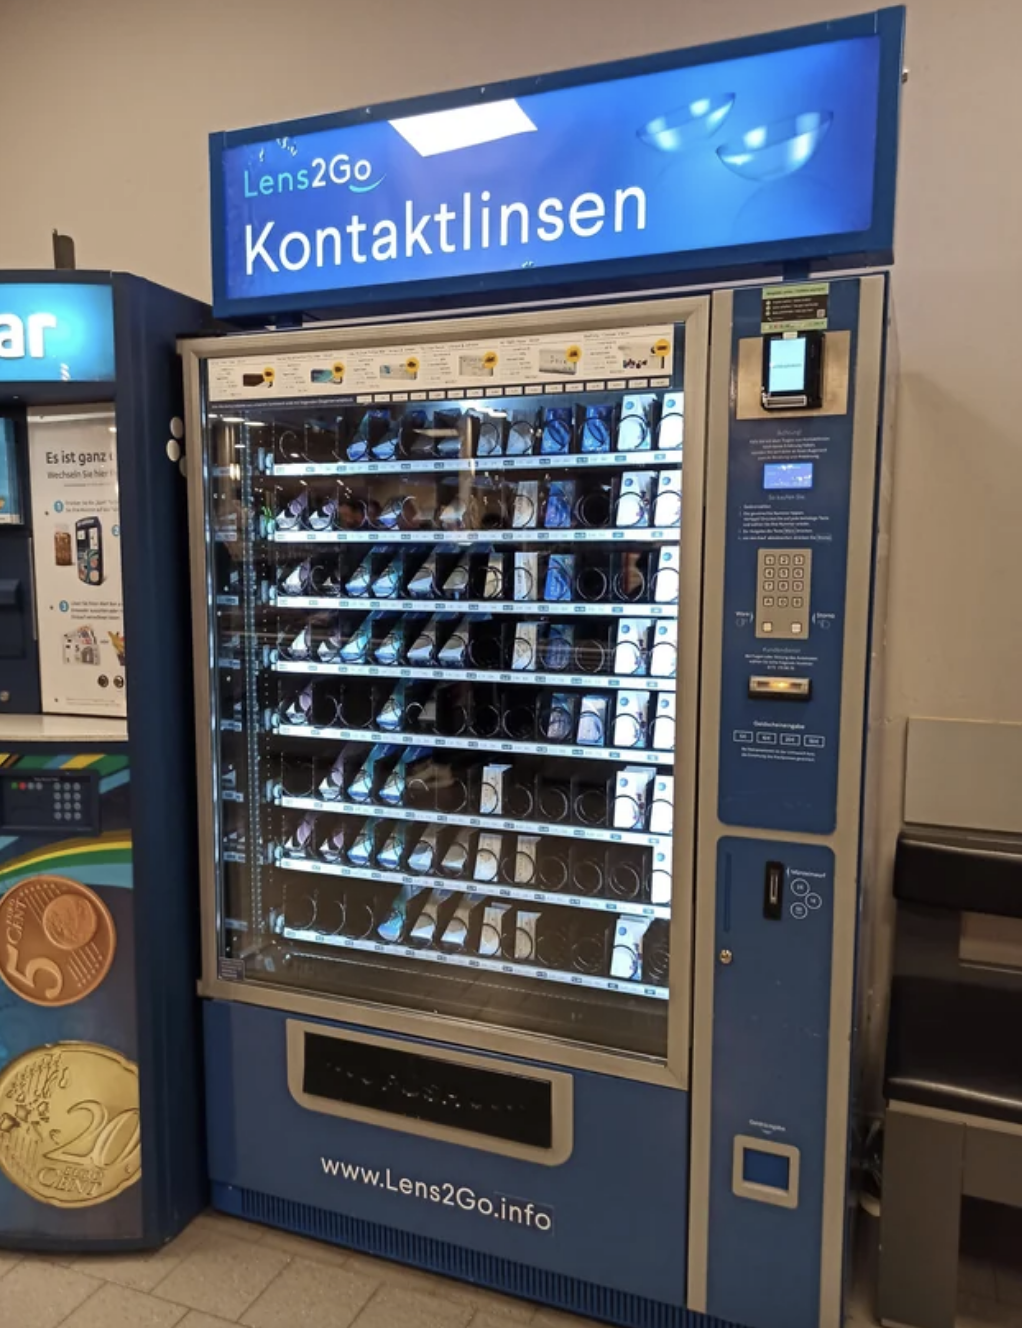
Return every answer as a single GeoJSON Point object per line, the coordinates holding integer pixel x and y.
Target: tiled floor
{"type": "Point", "coordinates": [222, 1272]}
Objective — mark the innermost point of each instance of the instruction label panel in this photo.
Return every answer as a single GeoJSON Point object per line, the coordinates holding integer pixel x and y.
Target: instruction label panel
{"type": "Point", "coordinates": [562, 361]}
{"type": "Point", "coordinates": [79, 599]}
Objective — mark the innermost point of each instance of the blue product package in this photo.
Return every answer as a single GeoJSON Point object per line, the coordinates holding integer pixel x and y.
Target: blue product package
{"type": "Point", "coordinates": [560, 502]}
{"type": "Point", "coordinates": [598, 428]}
{"type": "Point", "coordinates": [558, 647]}
{"type": "Point", "coordinates": [557, 431]}
{"type": "Point", "coordinates": [372, 424]}
{"type": "Point", "coordinates": [393, 850]}
{"type": "Point", "coordinates": [560, 576]}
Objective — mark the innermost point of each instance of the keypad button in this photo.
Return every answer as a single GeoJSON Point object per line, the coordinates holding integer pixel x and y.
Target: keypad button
{"type": "Point", "coordinates": [768, 627]}
{"type": "Point", "coordinates": [782, 601]}
{"type": "Point", "coordinates": [796, 629]}
{"type": "Point", "coordinates": [796, 602]}
{"type": "Point", "coordinates": [769, 559]}
{"type": "Point", "coordinates": [768, 587]}
{"type": "Point", "coordinates": [798, 585]}
{"type": "Point", "coordinates": [799, 559]}
{"type": "Point", "coordinates": [784, 559]}
{"type": "Point", "coordinates": [783, 586]}
{"type": "Point", "coordinates": [768, 601]}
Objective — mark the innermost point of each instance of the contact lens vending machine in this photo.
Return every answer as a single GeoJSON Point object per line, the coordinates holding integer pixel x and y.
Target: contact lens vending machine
{"type": "Point", "coordinates": [99, 1082]}
{"type": "Point", "coordinates": [533, 643]}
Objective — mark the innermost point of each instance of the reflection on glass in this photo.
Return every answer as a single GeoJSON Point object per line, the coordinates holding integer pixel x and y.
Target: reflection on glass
{"type": "Point", "coordinates": [770, 152]}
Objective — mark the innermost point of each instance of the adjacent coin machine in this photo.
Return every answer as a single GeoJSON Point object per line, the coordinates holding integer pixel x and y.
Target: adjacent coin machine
{"type": "Point", "coordinates": [449, 599]}
{"type": "Point", "coordinates": [99, 1147]}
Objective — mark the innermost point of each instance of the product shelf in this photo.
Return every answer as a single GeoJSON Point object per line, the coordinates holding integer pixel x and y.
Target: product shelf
{"type": "Point", "coordinates": [478, 464]}
{"type": "Point", "coordinates": [629, 534]}
{"type": "Point", "coordinates": [591, 834]}
{"type": "Point", "coordinates": [474, 962]}
{"type": "Point", "coordinates": [634, 683]}
{"type": "Point", "coordinates": [489, 889]}
{"type": "Point", "coordinates": [634, 755]}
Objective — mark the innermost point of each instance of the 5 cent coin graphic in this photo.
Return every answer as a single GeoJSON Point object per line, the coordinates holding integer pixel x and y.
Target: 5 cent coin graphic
{"type": "Point", "coordinates": [69, 1129]}
{"type": "Point", "coordinates": [57, 940]}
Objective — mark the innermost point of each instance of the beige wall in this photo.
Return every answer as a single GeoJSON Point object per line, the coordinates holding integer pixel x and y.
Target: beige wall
{"type": "Point", "coordinates": [105, 107]}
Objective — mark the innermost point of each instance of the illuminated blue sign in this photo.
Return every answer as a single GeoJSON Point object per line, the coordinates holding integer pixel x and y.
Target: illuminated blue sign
{"type": "Point", "coordinates": [56, 332]}
{"type": "Point", "coordinates": [782, 147]}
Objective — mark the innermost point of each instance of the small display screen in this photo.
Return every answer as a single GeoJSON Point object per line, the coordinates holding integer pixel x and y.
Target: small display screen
{"type": "Point", "coordinates": [787, 365]}
{"type": "Point", "coordinates": [788, 475]}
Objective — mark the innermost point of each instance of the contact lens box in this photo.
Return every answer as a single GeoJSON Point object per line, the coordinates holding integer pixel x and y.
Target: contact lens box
{"type": "Point", "coordinates": [491, 935]}
{"type": "Point", "coordinates": [664, 720]}
{"type": "Point", "coordinates": [592, 721]}
{"type": "Point", "coordinates": [667, 510]}
{"type": "Point", "coordinates": [661, 876]}
{"type": "Point", "coordinates": [634, 499]}
{"type": "Point", "coordinates": [393, 850]}
{"type": "Point", "coordinates": [525, 859]}
{"type": "Point", "coordinates": [526, 575]}
{"type": "Point", "coordinates": [526, 924]}
{"type": "Point", "coordinates": [631, 647]}
{"type": "Point", "coordinates": [526, 503]}
{"type": "Point", "coordinates": [523, 651]}
{"type": "Point", "coordinates": [626, 955]}
{"type": "Point", "coordinates": [560, 576]}
{"type": "Point", "coordinates": [671, 433]}
{"type": "Point", "coordinates": [630, 719]}
{"type": "Point", "coordinates": [560, 501]}
{"type": "Point", "coordinates": [455, 648]}
{"type": "Point", "coordinates": [423, 581]}
{"type": "Point", "coordinates": [661, 807]}
{"type": "Point", "coordinates": [663, 654]}
{"type": "Point", "coordinates": [667, 582]}
{"type": "Point", "coordinates": [488, 851]}
{"type": "Point", "coordinates": [493, 577]}
{"type": "Point", "coordinates": [493, 790]}
{"type": "Point", "coordinates": [634, 430]}
{"type": "Point", "coordinates": [631, 797]}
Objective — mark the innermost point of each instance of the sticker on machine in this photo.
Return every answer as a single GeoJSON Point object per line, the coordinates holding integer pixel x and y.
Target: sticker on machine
{"type": "Point", "coordinates": [795, 308]}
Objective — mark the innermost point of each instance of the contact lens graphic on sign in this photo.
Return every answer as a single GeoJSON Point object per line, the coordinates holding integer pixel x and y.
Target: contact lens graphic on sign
{"type": "Point", "coordinates": [702, 157]}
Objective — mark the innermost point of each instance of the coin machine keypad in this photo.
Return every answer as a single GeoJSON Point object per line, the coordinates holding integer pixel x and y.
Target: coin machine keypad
{"type": "Point", "coordinates": [48, 801]}
{"type": "Point", "coordinates": [782, 593]}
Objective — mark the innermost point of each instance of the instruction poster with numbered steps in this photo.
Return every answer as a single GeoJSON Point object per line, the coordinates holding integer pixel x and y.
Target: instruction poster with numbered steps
{"type": "Point", "coordinates": [79, 598]}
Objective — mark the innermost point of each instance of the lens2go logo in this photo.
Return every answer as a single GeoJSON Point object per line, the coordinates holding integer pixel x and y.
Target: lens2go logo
{"type": "Point", "coordinates": [321, 173]}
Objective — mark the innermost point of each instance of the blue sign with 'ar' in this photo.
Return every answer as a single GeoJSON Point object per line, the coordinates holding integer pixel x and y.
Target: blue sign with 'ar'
{"type": "Point", "coordinates": [777, 147]}
{"type": "Point", "coordinates": [52, 332]}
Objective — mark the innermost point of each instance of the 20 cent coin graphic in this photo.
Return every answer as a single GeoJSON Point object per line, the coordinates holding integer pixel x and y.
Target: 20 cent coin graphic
{"type": "Point", "coordinates": [69, 1130]}
{"type": "Point", "coordinates": [57, 940]}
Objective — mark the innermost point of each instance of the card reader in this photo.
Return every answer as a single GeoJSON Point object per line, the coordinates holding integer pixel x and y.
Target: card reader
{"type": "Point", "coordinates": [792, 371]}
